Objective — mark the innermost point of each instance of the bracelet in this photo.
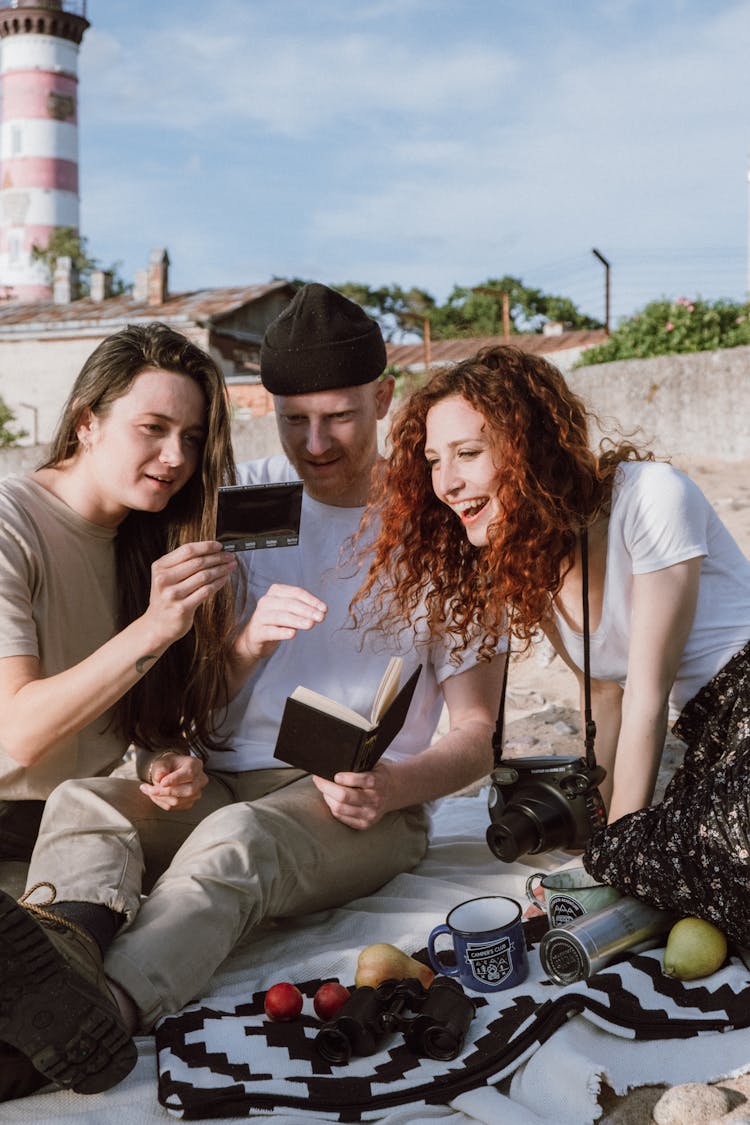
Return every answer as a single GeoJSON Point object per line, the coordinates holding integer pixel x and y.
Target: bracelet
{"type": "Point", "coordinates": [152, 763]}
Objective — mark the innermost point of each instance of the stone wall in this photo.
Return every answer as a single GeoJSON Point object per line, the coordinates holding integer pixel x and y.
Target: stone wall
{"type": "Point", "coordinates": [684, 406]}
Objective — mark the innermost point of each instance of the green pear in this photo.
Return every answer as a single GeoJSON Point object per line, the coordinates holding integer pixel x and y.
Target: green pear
{"type": "Point", "coordinates": [695, 948]}
{"type": "Point", "coordinates": [382, 962]}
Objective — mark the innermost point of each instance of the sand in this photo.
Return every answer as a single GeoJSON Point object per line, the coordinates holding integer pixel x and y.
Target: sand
{"type": "Point", "coordinates": [542, 717]}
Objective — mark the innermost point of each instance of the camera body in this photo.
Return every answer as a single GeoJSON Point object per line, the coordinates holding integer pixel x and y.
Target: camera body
{"type": "Point", "coordinates": [537, 804]}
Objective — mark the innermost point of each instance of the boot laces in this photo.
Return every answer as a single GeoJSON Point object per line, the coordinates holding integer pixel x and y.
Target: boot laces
{"type": "Point", "coordinates": [38, 909]}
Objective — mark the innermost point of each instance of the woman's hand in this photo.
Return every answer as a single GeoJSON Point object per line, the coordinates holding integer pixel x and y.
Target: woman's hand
{"type": "Point", "coordinates": [176, 781]}
{"type": "Point", "coordinates": [39, 712]}
{"type": "Point", "coordinates": [360, 799]}
{"type": "Point", "coordinates": [183, 580]}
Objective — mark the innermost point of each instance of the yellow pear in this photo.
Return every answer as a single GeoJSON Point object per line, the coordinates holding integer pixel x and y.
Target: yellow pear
{"type": "Point", "coordinates": [695, 948]}
{"type": "Point", "coordinates": [382, 962]}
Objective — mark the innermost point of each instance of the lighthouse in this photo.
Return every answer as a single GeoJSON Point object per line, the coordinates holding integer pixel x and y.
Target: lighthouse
{"type": "Point", "coordinates": [39, 42]}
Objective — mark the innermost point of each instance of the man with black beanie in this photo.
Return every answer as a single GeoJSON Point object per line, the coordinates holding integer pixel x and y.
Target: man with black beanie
{"type": "Point", "coordinates": [283, 842]}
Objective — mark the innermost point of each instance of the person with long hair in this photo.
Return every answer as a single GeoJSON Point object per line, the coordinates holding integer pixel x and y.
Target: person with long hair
{"type": "Point", "coordinates": [108, 571]}
{"type": "Point", "coordinates": [490, 484]}
{"type": "Point", "coordinates": [115, 603]}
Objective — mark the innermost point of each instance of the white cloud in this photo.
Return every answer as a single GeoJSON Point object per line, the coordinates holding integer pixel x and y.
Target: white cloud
{"type": "Point", "coordinates": [611, 141]}
{"type": "Point", "coordinates": [363, 140]}
{"type": "Point", "coordinates": [196, 76]}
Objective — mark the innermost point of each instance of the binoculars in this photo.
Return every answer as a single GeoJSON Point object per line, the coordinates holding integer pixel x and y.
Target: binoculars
{"type": "Point", "coordinates": [433, 1020]}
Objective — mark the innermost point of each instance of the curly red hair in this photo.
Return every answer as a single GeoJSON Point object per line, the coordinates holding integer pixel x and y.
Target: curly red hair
{"type": "Point", "coordinates": [552, 486]}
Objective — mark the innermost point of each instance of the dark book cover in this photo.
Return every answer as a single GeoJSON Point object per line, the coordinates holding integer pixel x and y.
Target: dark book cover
{"type": "Point", "coordinates": [325, 744]}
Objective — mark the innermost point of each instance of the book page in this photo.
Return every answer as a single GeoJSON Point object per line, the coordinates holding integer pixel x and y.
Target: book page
{"type": "Point", "coordinates": [322, 703]}
{"type": "Point", "coordinates": [387, 690]}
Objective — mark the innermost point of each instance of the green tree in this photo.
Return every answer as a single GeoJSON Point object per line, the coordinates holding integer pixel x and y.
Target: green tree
{"type": "Point", "coordinates": [396, 310]}
{"type": "Point", "coordinates": [478, 311]}
{"type": "Point", "coordinates": [474, 311]}
{"type": "Point", "coordinates": [66, 242]}
{"type": "Point", "coordinates": [667, 327]}
{"type": "Point", "coordinates": [10, 433]}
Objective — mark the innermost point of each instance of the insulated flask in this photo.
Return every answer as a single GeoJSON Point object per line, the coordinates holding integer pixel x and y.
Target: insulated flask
{"type": "Point", "coordinates": [586, 945]}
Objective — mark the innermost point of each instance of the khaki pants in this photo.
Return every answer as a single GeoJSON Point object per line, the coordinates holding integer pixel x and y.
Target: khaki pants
{"type": "Point", "coordinates": [257, 845]}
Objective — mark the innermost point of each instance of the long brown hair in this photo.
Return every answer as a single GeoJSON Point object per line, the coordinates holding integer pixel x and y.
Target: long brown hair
{"type": "Point", "coordinates": [171, 706]}
{"type": "Point", "coordinates": [552, 485]}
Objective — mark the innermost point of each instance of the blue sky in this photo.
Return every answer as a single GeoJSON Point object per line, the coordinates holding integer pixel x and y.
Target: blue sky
{"type": "Point", "coordinates": [422, 142]}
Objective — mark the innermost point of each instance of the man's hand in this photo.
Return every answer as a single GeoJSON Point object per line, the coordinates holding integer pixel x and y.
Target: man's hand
{"type": "Point", "coordinates": [176, 781]}
{"type": "Point", "coordinates": [278, 615]}
{"type": "Point", "coordinates": [360, 799]}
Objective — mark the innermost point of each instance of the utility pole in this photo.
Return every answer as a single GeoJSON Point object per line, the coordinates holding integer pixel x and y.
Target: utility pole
{"type": "Point", "coordinates": [426, 342]}
{"type": "Point", "coordinates": [605, 263]}
{"type": "Point", "coordinates": [416, 318]}
{"type": "Point", "coordinates": [505, 299]}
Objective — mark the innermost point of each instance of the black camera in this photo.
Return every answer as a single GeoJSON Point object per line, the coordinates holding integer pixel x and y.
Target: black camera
{"type": "Point", "coordinates": [537, 804]}
{"type": "Point", "coordinates": [433, 1021]}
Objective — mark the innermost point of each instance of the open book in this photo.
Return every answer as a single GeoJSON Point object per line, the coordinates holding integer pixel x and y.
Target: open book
{"type": "Point", "coordinates": [326, 737]}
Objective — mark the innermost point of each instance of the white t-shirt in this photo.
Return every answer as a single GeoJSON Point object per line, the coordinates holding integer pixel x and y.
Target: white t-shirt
{"type": "Point", "coordinates": [659, 518]}
{"type": "Point", "coordinates": [332, 658]}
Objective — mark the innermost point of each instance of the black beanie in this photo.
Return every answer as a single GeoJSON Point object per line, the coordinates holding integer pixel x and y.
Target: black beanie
{"type": "Point", "coordinates": [321, 341]}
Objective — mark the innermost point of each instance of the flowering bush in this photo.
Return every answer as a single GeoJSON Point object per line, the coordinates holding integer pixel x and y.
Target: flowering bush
{"type": "Point", "coordinates": [667, 327]}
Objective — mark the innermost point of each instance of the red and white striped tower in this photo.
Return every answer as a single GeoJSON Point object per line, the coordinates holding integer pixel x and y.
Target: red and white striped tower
{"type": "Point", "coordinates": [39, 41]}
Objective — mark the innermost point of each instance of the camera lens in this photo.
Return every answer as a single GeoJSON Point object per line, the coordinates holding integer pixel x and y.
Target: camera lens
{"type": "Point", "coordinates": [531, 823]}
{"type": "Point", "coordinates": [515, 834]}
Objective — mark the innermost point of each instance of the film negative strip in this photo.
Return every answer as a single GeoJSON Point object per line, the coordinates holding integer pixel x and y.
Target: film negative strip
{"type": "Point", "coordinates": [254, 516]}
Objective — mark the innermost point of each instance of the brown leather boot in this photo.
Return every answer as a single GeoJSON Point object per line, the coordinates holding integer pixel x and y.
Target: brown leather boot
{"type": "Point", "coordinates": [55, 1007]}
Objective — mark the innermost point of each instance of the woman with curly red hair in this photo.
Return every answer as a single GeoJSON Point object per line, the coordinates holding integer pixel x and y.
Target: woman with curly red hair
{"type": "Point", "coordinates": [490, 484]}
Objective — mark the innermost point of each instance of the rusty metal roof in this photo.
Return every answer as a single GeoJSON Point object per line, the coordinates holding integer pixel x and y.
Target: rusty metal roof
{"type": "Point", "coordinates": [205, 307]}
{"type": "Point", "coordinates": [452, 351]}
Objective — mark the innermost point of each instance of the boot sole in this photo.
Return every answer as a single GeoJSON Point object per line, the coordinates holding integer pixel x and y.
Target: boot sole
{"type": "Point", "coordinates": [63, 1024]}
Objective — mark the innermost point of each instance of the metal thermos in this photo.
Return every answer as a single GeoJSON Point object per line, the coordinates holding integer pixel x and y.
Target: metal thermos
{"type": "Point", "coordinates": [586, 945]}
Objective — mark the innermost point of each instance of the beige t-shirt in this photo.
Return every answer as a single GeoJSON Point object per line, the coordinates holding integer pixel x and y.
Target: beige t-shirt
{"type": "Point", "coordinates": [57, 602]}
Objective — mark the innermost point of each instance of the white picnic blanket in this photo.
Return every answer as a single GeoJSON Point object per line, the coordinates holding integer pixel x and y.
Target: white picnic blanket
{"type": "Point", "coordinates": [557, 1084]}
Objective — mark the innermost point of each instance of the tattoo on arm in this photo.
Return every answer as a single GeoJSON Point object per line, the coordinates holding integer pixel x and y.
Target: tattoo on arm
{"type": "Point", "coordinates": [142, 663]}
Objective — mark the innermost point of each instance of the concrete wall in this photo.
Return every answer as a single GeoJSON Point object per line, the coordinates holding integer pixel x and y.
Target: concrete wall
{"type": "Point", "coordinates": [682, 406]}
{"type": "Point", "coordinates": [255, 437]}
{"type": "Point", "coordinates": [685, 406]}
{"type": "Point", "coordinates": [41, 373]}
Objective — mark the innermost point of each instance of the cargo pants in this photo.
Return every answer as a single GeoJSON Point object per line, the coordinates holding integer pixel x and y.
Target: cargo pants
{"type": "Point", "coordinates": [257, 845]}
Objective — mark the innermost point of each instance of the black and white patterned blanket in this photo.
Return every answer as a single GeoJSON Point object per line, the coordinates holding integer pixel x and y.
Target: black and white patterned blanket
{"type": "Point", "coordinates": [219, 1057]}
{"type": "Point", "coordinates": [233, 1062]}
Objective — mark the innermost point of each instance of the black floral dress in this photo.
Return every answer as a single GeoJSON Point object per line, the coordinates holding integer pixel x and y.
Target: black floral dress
{"type": "Point", "coordinates": [691, 852]}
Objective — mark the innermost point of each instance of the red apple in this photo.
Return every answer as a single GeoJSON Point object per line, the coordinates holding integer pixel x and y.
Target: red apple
{"type": "Point", "coordinates": [329, 998]}
{"type": "Point", "coordinates": [283, 1001]}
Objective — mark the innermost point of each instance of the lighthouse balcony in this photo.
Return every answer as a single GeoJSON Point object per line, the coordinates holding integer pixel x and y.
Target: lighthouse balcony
{"type": "Point", "coordinates": [62, 19]}
{"type": "Point", "coordinates": [77, 7]}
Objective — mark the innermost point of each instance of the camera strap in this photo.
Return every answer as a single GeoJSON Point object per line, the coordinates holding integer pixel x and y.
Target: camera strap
{"type": "Point", "coordinates": [589, 726]}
